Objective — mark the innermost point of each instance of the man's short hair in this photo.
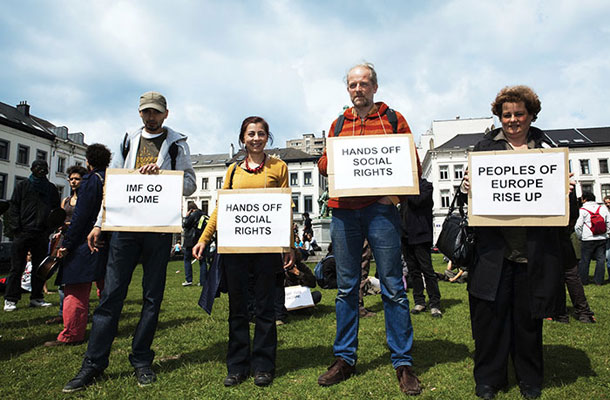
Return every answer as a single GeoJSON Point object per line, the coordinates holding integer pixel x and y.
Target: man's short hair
{"type": "Point", "coordinates": [98, 156]}
{"type": "Point", "coordinates": [607, 197]}
{"type": "Point", "coordinates": [588, 196]}
{"type": "Point", "coordinates": [192, 206]}
{"type": "Point", "coordinates": [366, 65]}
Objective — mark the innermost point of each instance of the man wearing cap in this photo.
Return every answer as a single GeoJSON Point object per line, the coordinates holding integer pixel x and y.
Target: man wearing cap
{"type": "Point", "coordinates": [149, 149]}
{"type": "Point", "coordinates": [32, 201]}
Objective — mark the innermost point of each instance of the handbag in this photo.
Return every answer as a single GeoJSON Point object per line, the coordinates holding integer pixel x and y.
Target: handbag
{"type": "Point", "coordinates": [457, 240]}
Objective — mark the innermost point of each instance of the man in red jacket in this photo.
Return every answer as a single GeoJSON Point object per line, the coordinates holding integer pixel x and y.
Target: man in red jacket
{"type": "Point", "coordinates": [376, 219]}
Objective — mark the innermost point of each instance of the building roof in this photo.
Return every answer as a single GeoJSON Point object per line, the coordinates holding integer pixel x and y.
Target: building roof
{"type": "Point", "coordinates": [285, 154]}
{"type": "Point", "coordinates": [198, 160]}
{"type": "Point", "coordinates": [571, 137]}
{"type": "Point", "coordinates": [24, 121]}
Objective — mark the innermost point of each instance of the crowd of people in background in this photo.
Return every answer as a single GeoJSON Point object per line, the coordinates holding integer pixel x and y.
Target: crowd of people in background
{"type": "Point", "coordinates": [516, 281]}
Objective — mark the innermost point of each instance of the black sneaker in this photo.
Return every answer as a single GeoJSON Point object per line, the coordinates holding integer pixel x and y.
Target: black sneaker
{"type": "Point", "coordinates": [85, 377]}
{"type": "Point", "coordinates": [263, 378]}
{"type": "Point", "coordinates": [234, 379]}
{"type": "Point", "coordinates": [145, 376]}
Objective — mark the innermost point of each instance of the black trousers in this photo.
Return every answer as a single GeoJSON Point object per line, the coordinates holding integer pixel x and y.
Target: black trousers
{"type": "Point", "coordinates": [38, 245]}
{"type": "Point", "coordinates": [263, 268]}
{"type": "Point", "coordinates": [419, 262]}
{"type": "Point", "coordinates": [577, 293]}
{"type": "Point", "coordinates": [505, 326]}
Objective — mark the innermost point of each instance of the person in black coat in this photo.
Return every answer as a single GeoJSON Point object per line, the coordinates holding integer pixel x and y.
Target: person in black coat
{"type": "Point", "coordinates": [193, 227]}
{"type": "Point", "coordinates": [80, 265]}
{"type": "Point", "coordinates": [31, 203]}
{"type": "Point", "coordinates": [416, 215]}
{"type": "Point", "coordinates": [517, 277]}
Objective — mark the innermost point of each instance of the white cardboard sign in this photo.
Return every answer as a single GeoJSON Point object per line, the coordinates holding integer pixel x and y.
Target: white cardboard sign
{"type": "Point", "coordinates": [254, 220]}
{"type": "Point", "coordinates": [297, 297]}
{"type": "Point", "coordinates": [519, 183]}
{"type": "Point", "coordinates": [372, 165]}
{"type": "Point", "coordinates": [144, 203]}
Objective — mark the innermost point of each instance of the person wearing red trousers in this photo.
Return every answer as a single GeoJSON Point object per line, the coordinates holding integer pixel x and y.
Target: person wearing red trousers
{"type": "Point", "coordinates": [80, 266]}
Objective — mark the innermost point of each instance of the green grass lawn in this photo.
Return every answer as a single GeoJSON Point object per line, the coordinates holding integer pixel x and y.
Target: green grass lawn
{"type": "Point", "coordinates": [190, 351]}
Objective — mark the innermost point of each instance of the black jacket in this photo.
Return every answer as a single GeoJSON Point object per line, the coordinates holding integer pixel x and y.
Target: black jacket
{"type": "Point", "coordinates": [191, 233]}
{"type": "Point", "coordinates": [545, 260]}
{"type": "Point", "coordinates": [29, 210]}
{"type": "Point", "coordinates": [416, 215]}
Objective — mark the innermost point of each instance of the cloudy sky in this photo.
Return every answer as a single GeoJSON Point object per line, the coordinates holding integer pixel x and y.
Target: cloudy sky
{"type": "Point", "coordinates": [83, 64]}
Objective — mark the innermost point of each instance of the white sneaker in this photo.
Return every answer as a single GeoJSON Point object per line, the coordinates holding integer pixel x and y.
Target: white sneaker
{"type": "Point", "coordinates": [187, 283]}
{"type": "Point", "coordinates": [10, 305]}
{"type": "Point", "coordinates": [39, 303]}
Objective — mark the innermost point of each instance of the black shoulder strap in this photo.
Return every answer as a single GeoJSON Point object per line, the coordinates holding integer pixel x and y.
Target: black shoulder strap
{"type": "Point", "coordinates": [173, 153]}
{"type": "Point", "coordinates": [125, 146]}
{"type": "Point", "coordinates": [339, 125]}
{"type": "Point", "coordinates": [392, 119]}
{"type": "Point", "coordinates": [231, 178]}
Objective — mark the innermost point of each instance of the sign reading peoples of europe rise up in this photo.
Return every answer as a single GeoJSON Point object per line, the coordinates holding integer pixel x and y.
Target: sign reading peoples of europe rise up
{"type": "Point", "coordinates": [519, 188]}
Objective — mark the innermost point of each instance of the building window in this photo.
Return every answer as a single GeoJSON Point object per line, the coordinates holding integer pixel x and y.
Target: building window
{"type": "Point", "coordinates": [307, 178]}
{"type": "Point", "coordinates": [204, 205]}
{"type": "Point", "coordinates": [603, 166]}
{"type": "Point", "coordinates": [4, 149]}
{"type": "Point", "coordinates": [584, 167]}
{"type": "Point", "coordinates": [23, 154]}
{"type": "Point", "coordinates": [204, 183]}
{"type": "Point", "coordinates": [295, 202]}
{"type": "Point", "coordinates": [308, 204]}
{"type": "Point", "coordinates": [219, 182]}
{"type": "Point", "coordinates": [458, 171]}
{"type": "Point", "coordinates": [605, 191]}
{"type": "Point", "coordinates": [323, 182]}
{"type": "Point", "coordinates": [41, 155]}
{"type": "Point", "coordinates": [3, 179]}
{"type": "Point", "coordinates": [61, 164]}
{"type": "Point", "coordinates": [586, 187]}
{"type": "Point", "coordinates": [78, 163]}
{"type": "Point", "coordinates": [570, 165]}
{"type": "Point", "coordinates": [294, 179]}
{"type": "Point", "coordinates": [445, 198]}
{"type": "Point", "coordinates": [60, 189]}
{"type": "Point", "coordinates": [443, 172]}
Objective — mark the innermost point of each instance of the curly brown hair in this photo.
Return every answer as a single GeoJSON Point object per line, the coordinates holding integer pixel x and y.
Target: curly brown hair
{"type": "Point", "coordinates": [517, 94]}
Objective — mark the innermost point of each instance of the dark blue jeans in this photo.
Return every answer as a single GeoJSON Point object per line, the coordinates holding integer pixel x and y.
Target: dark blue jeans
{"type": "Point", "coordinates": [262, 269]}
{"type": "Point", "coordinates": [592, 249]}
{"type": "Point", "coordinates": [127, 249]}
{"type": "Point", "coordinates": [188, 266]}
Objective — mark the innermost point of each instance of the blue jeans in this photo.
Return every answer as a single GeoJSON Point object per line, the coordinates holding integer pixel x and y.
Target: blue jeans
{"type": "Point", "coordinates": [127, 249]}
{"type": "Point", "coordinates": [188, 267]}
{"type": "Point", "coordinates": [592, 249]}
{"type": "Point", "coordinates": [380, 224]}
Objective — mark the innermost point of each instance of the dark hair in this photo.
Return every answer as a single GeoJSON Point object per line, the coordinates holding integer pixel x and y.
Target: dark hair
{"type": "Point", "coordinates": [607, 198]}
{"type": "Point", "coordinates": [517, 94]}
{"type": "Point", "coordinates": [254, 120]}
{"type": "Point", "coordinates": [77, 169]}
{"type": "Point", "coordinates": [588, 196]}
{"type": "Point", "coordinates": [98, 156]}
{"type": "Point", "coordinates": [192, 206]}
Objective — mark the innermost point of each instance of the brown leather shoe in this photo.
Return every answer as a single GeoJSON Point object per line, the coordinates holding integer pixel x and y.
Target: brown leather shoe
{"type": "Point", "coordinates": [338, 371]}
{"type": "Point", "coordinates": [409, 384]}
{"type": "Point", "coordinates": [365, 313]}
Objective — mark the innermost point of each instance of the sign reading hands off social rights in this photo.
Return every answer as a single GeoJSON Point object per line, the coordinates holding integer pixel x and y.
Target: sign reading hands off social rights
{"type": "Point", "coordinates": [254, 220]}
{"type": "Point", "coordinates": [519, 184]}
{"type": "Point", "coordinates": [142, 203]}
{"type": "Point", "coordinates": [372, 165]}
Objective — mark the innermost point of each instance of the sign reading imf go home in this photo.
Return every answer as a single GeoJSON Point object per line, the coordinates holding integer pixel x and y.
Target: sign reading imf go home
{"type": "Point", "coordinates": [372, 165]}
{"type": "Point", "coordinates": [142, 203]}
